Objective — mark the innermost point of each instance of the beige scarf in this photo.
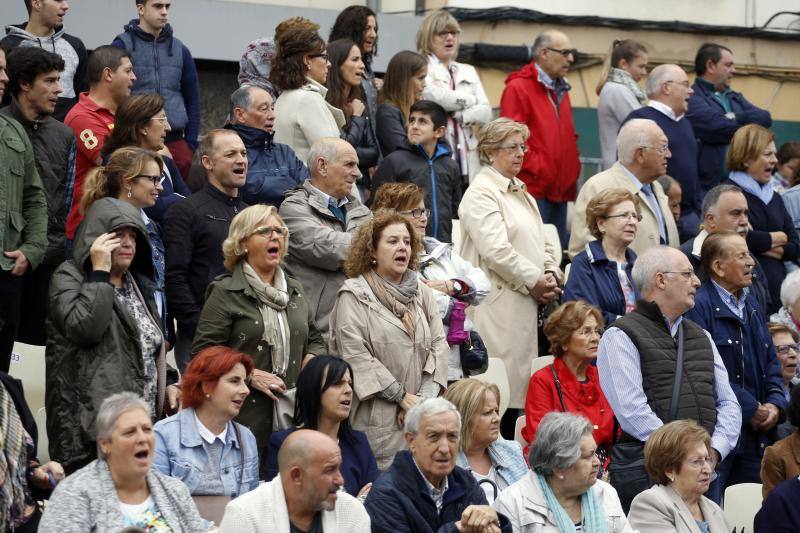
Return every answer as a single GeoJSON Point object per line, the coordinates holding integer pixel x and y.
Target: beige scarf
{"type": "Point", "coordinates": [399, 299]}
{"type": "Point", "coordinates": [272, 300]}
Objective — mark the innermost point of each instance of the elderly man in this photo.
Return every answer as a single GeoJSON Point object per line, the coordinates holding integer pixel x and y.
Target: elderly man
{"type": "Point", "coordinates": [717, 112]}
{"type": "Point", "coordinates": [725, 308]}
{"type": "Point", "coordinates": [669, 91]}
{"type": "Point", "coordinates": [195, 228]}
{"type": "Point", "coordinates": [305, 496]}
{"type": "Point", "coordinates": [273, 167]}
{"type": "Point", "coordinates": [642, 379]}
{"type": "Point", "coordinates": [538, 96]}
{"type": "Point", "coordinates": [643, 153]}
{"type": "Point", "coordinates": [424, 491]}
{"type": "Point", "coordinates": [322, 216]}
{"type": "Point", "coordinates": [725, 209]}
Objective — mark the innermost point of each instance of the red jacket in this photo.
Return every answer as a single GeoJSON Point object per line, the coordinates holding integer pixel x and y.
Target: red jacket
{"type": "Point", "coordinates": [582, 398]}
{"type": "Point", "coordinates": [552, 165]}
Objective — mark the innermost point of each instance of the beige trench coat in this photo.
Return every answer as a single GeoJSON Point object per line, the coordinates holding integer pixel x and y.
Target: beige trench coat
{"type": "Point", "coordinates": [372, 339]}
{"type": "Point", "coordinates": [503, 234]}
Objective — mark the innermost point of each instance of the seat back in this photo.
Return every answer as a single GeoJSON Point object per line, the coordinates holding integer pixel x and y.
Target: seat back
{"type": "Point", "coordinates": [540, 362]}
{"type": "Point", "coordinates": [496, 373]}
{"type": "Point", "coordinates": [741, 503]}
{"type": "Point", "coordinates": [518, 427]}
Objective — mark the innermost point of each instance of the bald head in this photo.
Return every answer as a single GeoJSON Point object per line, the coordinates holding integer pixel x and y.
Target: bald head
{"type": "Point", "coordinates": [669, 85]}
{"type": "Point", "coordinates": [665, 276]}
{"type": "Point", "coordinates": [552, 51]}
{"type": "Point", "coordinates": [333, 165]}
{"type": "Point", "coordinates": [302, 447]}
{"type": "Point", "coordinates": [309, 463]}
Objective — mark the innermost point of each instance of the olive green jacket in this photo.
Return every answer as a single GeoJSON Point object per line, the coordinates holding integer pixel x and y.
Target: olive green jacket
{"type": "Point", "coordinates": [231, 318]}
{"type": "Point", "coordinates": [23, 208]}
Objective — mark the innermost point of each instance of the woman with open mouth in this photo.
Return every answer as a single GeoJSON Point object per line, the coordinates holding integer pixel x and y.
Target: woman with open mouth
{"type": "Point", "coordinates": [258, 310]}
{"type": "Point", "coordinates": [387, 326]}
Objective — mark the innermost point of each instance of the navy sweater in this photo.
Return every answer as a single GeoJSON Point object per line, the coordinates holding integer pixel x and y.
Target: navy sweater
{"type": "Point", "coordinates": [780, 513]}
{"type": "Point", "coordinates": [682, 166]}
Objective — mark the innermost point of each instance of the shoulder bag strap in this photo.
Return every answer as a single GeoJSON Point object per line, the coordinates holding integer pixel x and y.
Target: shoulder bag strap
{"type": "Point", "coordinates": [558, 388]}
{"type": "Point", "coordinates": [241, 453]}
{"type": "Point", "coordinates": [676, 385]}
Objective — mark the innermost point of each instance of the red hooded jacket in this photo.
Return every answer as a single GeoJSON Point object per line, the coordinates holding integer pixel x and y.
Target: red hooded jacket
{"type": "Point", "coordinates": [551, 166]}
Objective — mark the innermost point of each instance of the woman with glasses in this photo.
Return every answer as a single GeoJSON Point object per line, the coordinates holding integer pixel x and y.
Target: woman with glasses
{"type": "Point", "coordinates": [456, 283]}
{"type": "Point", "coordinates": [258, 310]}
{"type": "Point", "coordinates": [299, 70]}
{"type": "Point", "coordinates": [601, 274]}
{"type": "Point", "coordinates": [454, 86]}
{"type": "Point", "coordinates": [785, 341]}
{"type": "Point", "coordinates": [502, 233]}
{"type": "Point", "coordinates": [678, 458]}
{"type": "Point", "coordinates": [571, 383]}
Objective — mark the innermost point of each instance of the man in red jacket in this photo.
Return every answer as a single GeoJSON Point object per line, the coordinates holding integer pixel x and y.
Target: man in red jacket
{"type": "Point", "coordinates": [538, 95]}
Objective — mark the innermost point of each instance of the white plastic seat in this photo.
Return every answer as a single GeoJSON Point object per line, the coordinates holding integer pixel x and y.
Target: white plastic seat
{"type": "Point", "coordinates": [518, 427]}
{"type": "Point", "coordinates": [741, 503]}
{"type": "Point", "coordinates": [496, 373]}
{"type": "Point", "coordinates": [42, 446]}
{"type": "Point", "coordinates": [540, 362]}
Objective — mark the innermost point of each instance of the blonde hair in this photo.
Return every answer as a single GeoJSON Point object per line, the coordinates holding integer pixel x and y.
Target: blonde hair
{"type": "Point", "coordinates": [493, 133]}
{"type": "Point", "coordinates": [243, 226]}
{"type": "Point", "coordinates": [599, 206]}
{"type": "Point", "coordinates": [123, 165]}
{"type": "Point", "coordinates": [469, 395]}
{"type": "Point", "coordinates": [436, 22]}
{"type": "Point", "coordinates": [746, 146]}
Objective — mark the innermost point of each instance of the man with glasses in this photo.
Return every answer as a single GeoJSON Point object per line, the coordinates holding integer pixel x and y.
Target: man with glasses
{"type": "Point", "coordinates": [669, 91]}
{"type": "Point", "coordinates": [725, 308]}
{"type": "Point", "coordinates": [643, 153]}
{"type": "Point", "coordinates": [538, 96]}
{"type": "Point", "coordinates": [636, 362]}
{"type": "Point", "coordinates": [322, 215]}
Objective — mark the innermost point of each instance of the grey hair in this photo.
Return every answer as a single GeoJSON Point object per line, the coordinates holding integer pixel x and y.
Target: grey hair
{"type": "Point", "coordinates": [657, 77]}
{"type": "Point", "coordinates": [429, 407]}
{"type": "Point", "coordinates": [111, 409]}
{"type": "Point", "coordinates": [558, 442]}
{"type": "Point", "coordinates": [633, 135]}
{"type": "Point", "coordinates": [790, 289]}
{"type": "Point", "coordinates": [712, 196]}
{"type": "Point", "coordinates": [648, 264]}
{"type": "Point", "coordinates": [493, 133]}
{"type": "Point", "coordinates": [543, 40]}
{"type": "Point", "coordinates": [326, 148]}
{"type": "Point", "coordinates": [240, 98]}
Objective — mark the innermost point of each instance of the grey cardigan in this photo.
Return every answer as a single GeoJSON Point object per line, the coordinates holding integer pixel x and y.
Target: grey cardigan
{"type": "Point", "coordinates": [87, 501]}
{"type": "Point", "coordinates": [615, 104]}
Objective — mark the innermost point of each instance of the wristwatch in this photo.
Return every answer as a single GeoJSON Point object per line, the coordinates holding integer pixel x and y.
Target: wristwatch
{"type": "Point", "coordinates": [458, 287]}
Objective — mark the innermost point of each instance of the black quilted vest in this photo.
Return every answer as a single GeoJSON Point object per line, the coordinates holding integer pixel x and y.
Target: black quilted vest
{"type": "Point", "coordinates": [658, 351]}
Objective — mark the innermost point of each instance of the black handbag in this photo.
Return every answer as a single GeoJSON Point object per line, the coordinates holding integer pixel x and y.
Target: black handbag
{"type": "Point", "coordinates": [474, 357]}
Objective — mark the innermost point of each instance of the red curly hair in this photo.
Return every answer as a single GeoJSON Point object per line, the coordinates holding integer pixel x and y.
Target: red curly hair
{"type": "Point", "coordinates": [208, 366]}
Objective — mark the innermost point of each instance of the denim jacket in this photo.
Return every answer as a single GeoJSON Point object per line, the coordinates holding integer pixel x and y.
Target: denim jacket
{"type": "Point", "coordinates": [507, 458]}
{"type": "Point", "coordinates": [180, 454]}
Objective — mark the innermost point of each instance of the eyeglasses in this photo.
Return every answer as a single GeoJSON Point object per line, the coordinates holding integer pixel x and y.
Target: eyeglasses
{"type": "Point", "coordinates": [687, 274]}
{"type": "Point", "coordinates": [162, 119]}
{"type": "Point", "coordinates": [454, 33]}
{"type": "Point", "coordinates": [786, 348]}
{"type": "Point", "coordinates": [663, 150]}
{"type": "Point", "coordinates": [627, 216]}
{"type": "Point", "coordinates": [156, 180]}
{"type": "Point", "coordinates": [587, 332]}
{"type": "Point", "coordinates": [323, 56]}
{"type": "Point", "coordinates": [700, 461]}
{"type": "Point", "coordinates": [515, 147]}
{"type": "Point", "coordinates": [685, 83]}
{"type": "Point", "coordinates": [267, 231]}
{"type": "Point", "coordinates": [417, 213]}
{"type": "Point", "coordinates": [566, 52]}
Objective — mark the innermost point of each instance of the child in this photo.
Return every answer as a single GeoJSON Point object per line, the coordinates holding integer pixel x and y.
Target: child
{"type": "Point", "coordinates": [426, 160]}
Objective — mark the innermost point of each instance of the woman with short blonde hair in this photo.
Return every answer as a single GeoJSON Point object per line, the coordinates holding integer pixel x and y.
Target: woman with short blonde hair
{"type": "Point", "coordinates": [246, 224]}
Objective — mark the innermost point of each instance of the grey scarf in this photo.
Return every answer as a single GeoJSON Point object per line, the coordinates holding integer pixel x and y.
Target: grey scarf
{"type": "Point", "coordinates": [397, 298]}
{"type": "Point", "coordinates": [272, 300]}
{"type": "Point", "coordinates": [620, 76]}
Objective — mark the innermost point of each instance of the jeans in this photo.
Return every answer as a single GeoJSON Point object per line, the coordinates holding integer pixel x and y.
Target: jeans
{"type": "Point", "coordinates": [555, 213]}
{"type": "Point", "coordinates": [11, 298]}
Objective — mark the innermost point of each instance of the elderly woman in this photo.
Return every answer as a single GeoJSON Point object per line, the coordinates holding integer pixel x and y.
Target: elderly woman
{"type": "Point", "coordinates": [495, 462]}
{"type": "Point", "coordinates": [502, 233]}
{"type": "Point", "coordinates": [455, 282]}
{"type": "Point", "coordinates": [387, 326]}
{"type": "Point", "coordinates": [104, 334]}
{"type": "Point", "coordinates": [785, 341]}
{"type": "Point", "coordinates": [571, 383]}
{"type": "Point", "coordinates": [120, 489]}
{"type": "Point", "coordinates": [403, 85]}
{"type": "Point", "coordinates": [678, 458]}
{"type": "Point", "coordinates": [258, 310]}
{"type": "Point", "coordinates": [601, 274]}
{"type": "Point", "coordinates": [562, 493]}
{"type": "Point", "coordinates": [772, 239]}
{"type": "Point", "coordinates": [782, 460]}
{"type": "Point", "coordinates": [790, 303]}
{"type": "Point", "coordinates": [299, 70]}
{"type": "Point", "coordinates": [454, 86]}
{"type": "Point", "coordinates": [324, 398]}
{"type": "Point", "coordinates": [202, 445]}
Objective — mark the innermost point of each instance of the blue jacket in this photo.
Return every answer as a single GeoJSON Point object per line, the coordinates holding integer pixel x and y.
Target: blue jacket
{"type": "Point", "coordinates": [780, 513]}
{"type": "Point", "coordinates": [746, 348]}
{"type": "Point", "coordinates": [714, 130]}
{"type": "Point", "coordinates": [175, 189]}
{"type": "Point", "coordinates": [358, 463]}
{"type": "Point", "coordinates": [594, 278]}
{"type": "Point", "coordinates": [272, 169]}
{"type": "Point", "coordinates": [180, 454]}
{"type": "Point", "coordinates": [507, 459]}
{"type": "Point", "coordinates": [165, 66]}
{"type": "Point", "coordinates": [399, 501]}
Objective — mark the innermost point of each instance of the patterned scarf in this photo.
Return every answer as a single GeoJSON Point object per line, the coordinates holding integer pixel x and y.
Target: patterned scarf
{"type": "Point", "coordinates": [273, 300]}
{"type": "Point", "coordinates": [13, 463]}
{"type": "Point", "coordinates": [622, 77]}
{"type": "Point", "coordinates": [594, 518]}
{"type": "Point", "coordinates": [399, 299]}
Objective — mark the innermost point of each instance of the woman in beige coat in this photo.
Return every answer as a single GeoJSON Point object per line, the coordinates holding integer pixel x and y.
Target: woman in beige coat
{"type": "Point", "coordinates": [386, 324]}
{"type": "Point", "coordinates": [502, 233]}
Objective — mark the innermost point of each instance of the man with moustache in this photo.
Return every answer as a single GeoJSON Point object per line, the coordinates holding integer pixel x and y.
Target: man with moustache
{"type": "Point", "coordinates": [726, 309]}
{"type": "Point", "coordinates": [637, 361]}
{"type": "Point", "coordinates": [35, 88]}
{"type": "Point", "coordinates": [303, 497]}
{"type": "Point", "coordinates": [194, 230]}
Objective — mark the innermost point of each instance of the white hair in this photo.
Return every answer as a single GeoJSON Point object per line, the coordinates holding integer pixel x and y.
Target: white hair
{"type": "Point", "coordinates": [111, 409]}
{"type": "Point", "coordinates": [558, 442]}
{"type": "Point", "coordinates": [429, 407]}
{"type": "Point", "coordinates": [326, 148]}
{"type": "Point", "coordinates": [633, 135]}
{"type": "Point", "coordinates": [790, 289]}
{"type": "Point", "coordinates": [649, 263]}
{"type": "Point", "coordinates": [657, 77]}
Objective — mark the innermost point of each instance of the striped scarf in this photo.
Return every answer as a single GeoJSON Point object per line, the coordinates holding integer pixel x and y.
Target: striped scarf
{"type": "Point", "coordinates": [13, 463]}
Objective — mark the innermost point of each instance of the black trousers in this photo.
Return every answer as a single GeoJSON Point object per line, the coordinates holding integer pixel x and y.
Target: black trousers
{"type": "Point", "coordinates": [10, 301]}
{"type": "Point", "coordinates": [35, 294]}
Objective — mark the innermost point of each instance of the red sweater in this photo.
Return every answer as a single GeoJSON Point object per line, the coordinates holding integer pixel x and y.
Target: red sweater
{"type": "Point", "coordinates": [583, 398]}
{"type": "Point", "coordinates": [552, 165]}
